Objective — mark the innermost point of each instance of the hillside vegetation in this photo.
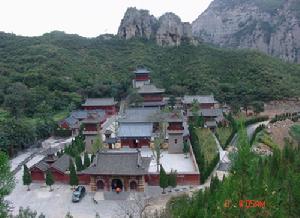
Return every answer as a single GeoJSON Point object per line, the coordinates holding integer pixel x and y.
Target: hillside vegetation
{"type": "Point", "coordinates": [44, 77]}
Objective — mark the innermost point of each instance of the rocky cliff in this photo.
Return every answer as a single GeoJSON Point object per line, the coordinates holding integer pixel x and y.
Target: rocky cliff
{"type": "Point", "coordinates": [168, 30]}
{"type": "Point", "coordinates": [271, 26]}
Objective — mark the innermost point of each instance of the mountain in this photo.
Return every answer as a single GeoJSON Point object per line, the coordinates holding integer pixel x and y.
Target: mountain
{"type": "Point", "coordinates": [270, 26]}
{"type": "Point", "coordinates": [168, 30]}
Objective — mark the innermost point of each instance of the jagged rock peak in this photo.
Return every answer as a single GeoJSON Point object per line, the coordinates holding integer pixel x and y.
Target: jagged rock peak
{"type": "Point", "coordinates": [168, 30]}
{"type": "Point", "coordinates": [137, 23]}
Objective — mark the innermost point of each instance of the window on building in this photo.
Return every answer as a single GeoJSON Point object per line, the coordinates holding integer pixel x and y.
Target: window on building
{"type": "Point", "coordinates": [175, 141]}
{"type": "Point", "coordinates": [92, 141]}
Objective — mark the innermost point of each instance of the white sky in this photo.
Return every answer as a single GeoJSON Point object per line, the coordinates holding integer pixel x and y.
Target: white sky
{"type": "Point", "coordinates": [88, 18]}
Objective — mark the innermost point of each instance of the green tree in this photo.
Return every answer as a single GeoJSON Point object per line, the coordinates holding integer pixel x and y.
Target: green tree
{"type": "Point", "coordinates": [172, 179]}
{"type": "Point", "coordinates": [163, 179]}
{"type": "Point", "coordinates": [78, 162]}
{"type": "Point", "coordinates": [97, 145]}
{"type": "Point", "coordinates": [135, 99]}
{"type": "Point", "coordinates": [6, 182]}
{"type": "Point", "coordinates": [49, 179]}
{"type": "Point", "coordinates": [158, 141]}
{"type": "Point", "coordinates": [27, 177]}
{"type": "Point", "coordinates": [17, 100]}
{"type": "Point", "coordinates": [295, 133]}
{"type": "Point", "coordinates": [258, 106]}
{"type": "Point", "coordinates": [172, 101]}
{"type": "Point", "coordinates": [93, 157]}
{"type": "Point", "coordinates": [186, 148]}
{"type": "Point", "coordinates": [86, 160]}
{"type": "Point", "coordinates": [73, 176]}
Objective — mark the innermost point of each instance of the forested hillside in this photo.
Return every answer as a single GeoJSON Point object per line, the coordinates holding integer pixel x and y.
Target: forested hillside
{"type": "Point", "coordinates": [273, 181]}
{"type": "Point", "coordinates": [41, 77]}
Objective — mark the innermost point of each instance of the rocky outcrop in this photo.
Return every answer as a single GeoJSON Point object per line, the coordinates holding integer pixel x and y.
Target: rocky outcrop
{"type": "Point", "coordinates": [272, 27]}
{"type": "Point", "coordinates": [137, 23]}
{"type": "Point", "coordinates": [168, 30]}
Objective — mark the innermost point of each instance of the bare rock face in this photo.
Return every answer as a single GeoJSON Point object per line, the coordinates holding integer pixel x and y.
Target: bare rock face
{"type": "Point", "coordinates": [270, 26]}
{"type": "Point", "coordinates": [172, 31]}
{"type": "Point", "coordinates": [168, 30]}
{"type": "Point", "coordinates": [137, 23]}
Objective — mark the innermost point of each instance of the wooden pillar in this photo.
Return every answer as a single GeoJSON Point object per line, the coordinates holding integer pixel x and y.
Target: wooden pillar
{"type": "Point", "coordinates": [141, 184]}
{"type": "Point", "coordinates": [93, 184]}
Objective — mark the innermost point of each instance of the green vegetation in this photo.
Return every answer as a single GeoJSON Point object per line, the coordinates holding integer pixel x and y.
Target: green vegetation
{"type": "Point", "coordinates": [76, 147]}
{"type": "Point", "coordinates": [7, 183]}
{"type": "Point", "coordinates": [256, 119]}
{"type": "Point", "coordinates": [295, 133]}
{"type": "Point", "coordinates": [172, 179]}
{"type": "Point", "coordinates": [207, 143]}
{"type": "Point", "coordinates": [186, 148]}
{"type": "Point", "coordinates": [86, 160]}
{"type": "Point", "coordinates": [223, 133]}
{"type": "Point", "coordinates": [266, 139]}
{"type": "Point", "coordinates": [78, 162]}
{"type": "Point", "coordinates": [257, 130]}
{"type": "Point", "coordinates": [49, 179]}
{"type": "Point", "coordinates": [163, 179]}
{"type": "Point", "coordinates": [26, 177]}
{"type": "Point", "coordinates": [292, 116]}
{"type": "Point", "coordinates": [205, 150]}
{"type": "Point", "coordinates": [43, 78]}
{"type": "Point", "coordinates": [73, 176]}
{"type": "Point", "coordinates": [274, 179]}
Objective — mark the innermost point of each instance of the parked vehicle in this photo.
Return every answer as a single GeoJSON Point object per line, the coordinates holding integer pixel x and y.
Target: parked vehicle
{"type": "Point", "coordinates": [78, 194]}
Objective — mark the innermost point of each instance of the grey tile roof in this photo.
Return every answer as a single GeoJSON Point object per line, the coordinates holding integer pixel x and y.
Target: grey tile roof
{"type": "Point", "coordinates": [83, 114]}
{"type": "Point", "coordinates": [62, 164]}
{"type": "Point", "coordinates": [143, 115]}
{"type": "Point", "coordinates": [42, 165]}
{"type": "Point", "coordinates": [135, 130]}
{"type": "Point", "coordinates": [150, 88]}
{"type": "Point", "coordinates": [141, 71]}
{"type": "Point", "coordinates": [202, 99]}
{"type": "Point", "coordinates": [153, 103]}
{"type": "Point", "coordinates": [118, 163]}
{"type": "Point", "coordinates": [99, 102]}
{"type": "Point", "coordinates": [216, 112]}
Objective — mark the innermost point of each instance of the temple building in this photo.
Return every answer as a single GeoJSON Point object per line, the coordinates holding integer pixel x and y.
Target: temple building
{"type": "Point", "coordinates": [124, 170]}
{"type": "Point", "coordinates": [141, 77]}
{"type": "Point", "coordinates": [92, 126]}
{"type": "Point", "coordinates": [203, 101]}
{"type": "Point", "coordinates": [152, 96]}
{"type": "Point", "coordinates": [74, 121]}
{"type": "Point", "coordinates": [106, 104]}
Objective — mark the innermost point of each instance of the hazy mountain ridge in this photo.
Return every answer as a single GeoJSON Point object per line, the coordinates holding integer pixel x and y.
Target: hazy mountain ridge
{"type": "Point", "coordinates": [270, 26]}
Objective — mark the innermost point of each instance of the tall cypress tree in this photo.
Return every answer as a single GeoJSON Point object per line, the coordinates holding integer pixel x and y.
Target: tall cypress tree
{"type": "Point", "coordinates": [73, 176]}
{"type": "Point", "coordinates": [86, 160]}
{"type": "Point", "coordinates": [78, 162]}
{"type": "Point", "coordinates": [49, 179]}
{"type": "Point", "coordinates": [26, 177]}
{"type": "Point", "coordinates": [172, 181]}
{"type": "Point", "coordinates": [163, 179]}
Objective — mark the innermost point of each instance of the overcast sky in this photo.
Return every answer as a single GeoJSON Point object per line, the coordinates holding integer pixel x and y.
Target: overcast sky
{"type": "Point", "coordinates": [88, 18]}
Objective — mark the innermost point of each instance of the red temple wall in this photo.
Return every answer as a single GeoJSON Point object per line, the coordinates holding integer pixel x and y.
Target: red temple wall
{"type": "Point", "coordinates": [182, 179]}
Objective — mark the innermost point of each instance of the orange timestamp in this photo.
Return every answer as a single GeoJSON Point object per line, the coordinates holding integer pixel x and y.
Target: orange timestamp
{"type": "Point", "coordinates": [246, 204]}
